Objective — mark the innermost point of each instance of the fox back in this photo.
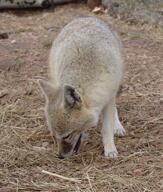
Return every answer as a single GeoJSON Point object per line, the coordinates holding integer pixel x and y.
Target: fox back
{"type": "Point", "coordinates": [85, 72]}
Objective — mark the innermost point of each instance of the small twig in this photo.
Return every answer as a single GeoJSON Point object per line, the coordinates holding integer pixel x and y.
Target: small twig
{"type": "Point", "coordinates": [17, 186]}
{"type": "Point", "coordinates": [3, 93]}
{"type": "Point", "coordinates": [155, 120]}
{"type": "Point", "coordinates": [89, 181]}
{"type": "Point", "coordinates": [61, 177]}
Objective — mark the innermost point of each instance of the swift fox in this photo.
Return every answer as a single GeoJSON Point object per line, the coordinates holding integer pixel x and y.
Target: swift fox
{"type": "Point", "coordinates": [85, 73]}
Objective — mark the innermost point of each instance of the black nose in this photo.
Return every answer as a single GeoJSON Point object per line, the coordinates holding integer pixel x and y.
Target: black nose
{"type": "Point", "coordinates": [60, 156]}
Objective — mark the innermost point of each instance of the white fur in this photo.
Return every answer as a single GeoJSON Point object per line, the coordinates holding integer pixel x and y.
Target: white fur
{"type": "Point", "coordinates": [108, 130]}
{"type": "Point", "coordinates": [87, 56]}
{"type": "Point", "coordinates": [118, 129]}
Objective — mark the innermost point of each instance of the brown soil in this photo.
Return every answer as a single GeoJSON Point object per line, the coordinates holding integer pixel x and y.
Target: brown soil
{"type": "Point", "coordinates": [25, 145]}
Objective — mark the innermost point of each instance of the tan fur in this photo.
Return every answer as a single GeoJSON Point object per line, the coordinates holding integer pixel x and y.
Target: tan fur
{"type": "Point", "coordinates": [85, 72]}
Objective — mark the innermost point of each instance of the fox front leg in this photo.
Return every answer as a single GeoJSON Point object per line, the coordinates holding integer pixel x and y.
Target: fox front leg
{"type": "Point", "coordinates": [108, 130]}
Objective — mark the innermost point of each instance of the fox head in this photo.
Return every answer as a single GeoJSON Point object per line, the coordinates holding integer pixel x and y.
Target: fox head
{"type": "Point", "coordinates": [67, 115]}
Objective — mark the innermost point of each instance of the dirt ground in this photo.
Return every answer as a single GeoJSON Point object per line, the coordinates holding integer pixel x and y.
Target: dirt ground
{"type": "Point", "coordinates": [25, 145]}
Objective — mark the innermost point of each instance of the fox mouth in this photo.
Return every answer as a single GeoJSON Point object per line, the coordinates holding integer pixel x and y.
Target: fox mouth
{"type": "Point", "coordinates": [77, 145]}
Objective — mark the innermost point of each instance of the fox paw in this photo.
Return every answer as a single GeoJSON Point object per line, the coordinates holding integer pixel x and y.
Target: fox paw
{"type": "Point", "coordinates": [119, 130]}
{"type": "Point", "coordinates": [111, 153]}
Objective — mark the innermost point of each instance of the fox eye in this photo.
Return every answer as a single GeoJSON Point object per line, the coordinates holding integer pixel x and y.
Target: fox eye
{"type": "Point", "coordinates": [66, 137]}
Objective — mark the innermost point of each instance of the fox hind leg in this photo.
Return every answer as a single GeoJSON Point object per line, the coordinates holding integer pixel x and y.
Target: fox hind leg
{"type": "Point", "coordinates": [118, 129]}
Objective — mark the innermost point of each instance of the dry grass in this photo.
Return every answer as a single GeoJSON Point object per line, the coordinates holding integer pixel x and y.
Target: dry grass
{"type": "Point", "coordinates": [28, 152]}
{"type": "Point", "coordinates": [137, 11]}
{"type": "Point", "coordinates": [28, 159]}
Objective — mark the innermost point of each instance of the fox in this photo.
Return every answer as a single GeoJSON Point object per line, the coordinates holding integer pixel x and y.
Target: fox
{"type": "Point", "coordinates": [85, 72]}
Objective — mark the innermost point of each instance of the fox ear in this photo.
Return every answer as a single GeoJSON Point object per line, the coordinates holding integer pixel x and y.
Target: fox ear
{"type": "Point", "coordinates": [47, 88]}
{"type": "Point", "coordinates": [72, 97]}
